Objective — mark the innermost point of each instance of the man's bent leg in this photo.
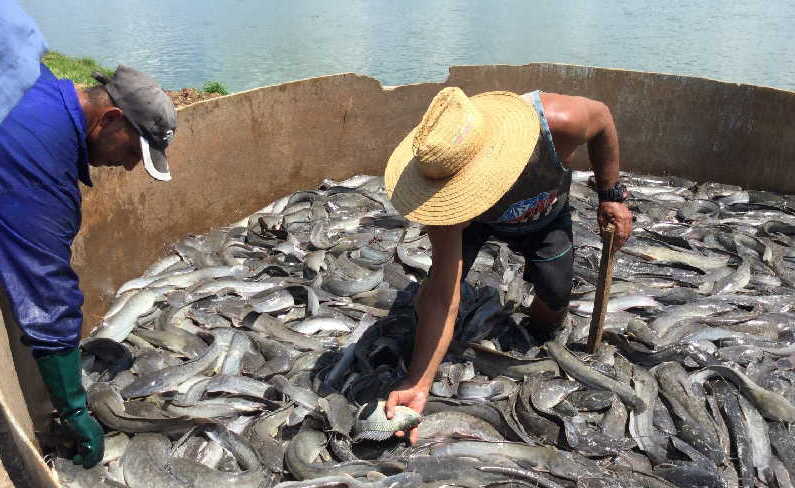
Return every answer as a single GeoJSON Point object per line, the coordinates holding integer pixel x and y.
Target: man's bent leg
{"type": "Point", "coordinates": [552, 281]}
{"type": "Point", "coordinates": [543, 317]}
{"type": "Point", "coordinates": [549, 256]}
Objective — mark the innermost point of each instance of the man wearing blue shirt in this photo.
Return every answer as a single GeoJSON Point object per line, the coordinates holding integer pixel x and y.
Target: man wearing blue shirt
{"type": "Point", "coordinates": [47, 142]}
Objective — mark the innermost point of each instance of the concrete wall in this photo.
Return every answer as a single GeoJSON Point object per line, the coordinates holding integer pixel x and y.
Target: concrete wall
{"type": "Point", "coordinates": [234, 154]}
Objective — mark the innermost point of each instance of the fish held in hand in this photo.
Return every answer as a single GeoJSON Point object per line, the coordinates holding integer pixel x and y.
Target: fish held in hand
{"type": "Point", "coordinates": [372, 423]}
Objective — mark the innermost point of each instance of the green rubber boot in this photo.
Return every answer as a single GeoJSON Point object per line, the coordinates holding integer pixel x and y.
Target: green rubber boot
{"type": "Point", "coordinates": [61, 374]}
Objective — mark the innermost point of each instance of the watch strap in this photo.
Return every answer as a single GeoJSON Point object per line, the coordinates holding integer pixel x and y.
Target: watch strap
{"type": "Point", "coordinates": [618, 193]}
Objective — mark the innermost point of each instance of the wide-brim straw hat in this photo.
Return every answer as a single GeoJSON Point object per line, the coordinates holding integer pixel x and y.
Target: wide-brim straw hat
{"type": "Point", "coordinates": [465, 154]}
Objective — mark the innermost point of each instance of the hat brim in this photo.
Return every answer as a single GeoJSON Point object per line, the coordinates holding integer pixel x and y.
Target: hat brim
{"type": "Point", "coordinates": [155, 161]}
{"type": "Point", "coordinates": [513, 128]}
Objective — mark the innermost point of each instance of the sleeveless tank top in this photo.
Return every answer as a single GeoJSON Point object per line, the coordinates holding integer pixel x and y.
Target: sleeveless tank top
{"type": "Point", "coordinates": [542, 190]}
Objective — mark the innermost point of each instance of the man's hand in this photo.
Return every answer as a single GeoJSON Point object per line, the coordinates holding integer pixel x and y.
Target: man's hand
{"type": "Point", "coordinates": [619, 215]}
{"type": "Point", "coordinates": [61, 373]}
{"type": "Point", "coordinates": [409, 395]}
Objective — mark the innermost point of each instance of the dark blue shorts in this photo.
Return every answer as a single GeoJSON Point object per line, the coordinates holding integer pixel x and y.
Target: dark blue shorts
{"type": "Point", "coordinates": [548, 254]}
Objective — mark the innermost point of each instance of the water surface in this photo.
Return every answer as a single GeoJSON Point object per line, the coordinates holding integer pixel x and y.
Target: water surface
{"type": "Point", "coordinates": [249, 43]}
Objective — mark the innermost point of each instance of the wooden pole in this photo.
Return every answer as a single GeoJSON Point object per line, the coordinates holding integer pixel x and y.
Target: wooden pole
{"type": "Point", "coordinates": [602, 289]}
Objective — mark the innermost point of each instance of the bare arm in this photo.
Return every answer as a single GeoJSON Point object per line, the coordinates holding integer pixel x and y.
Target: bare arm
{"type": "Point", "coordinates": [602, 145]}
{"type": "Point", "coordinates": [575, 121]}
{"type": "Point", "coordinates": [604, 155]}
{"type": "Point", "coordinates": [437, 305]}
{"type": "Point", "coordinates": [437, 309]}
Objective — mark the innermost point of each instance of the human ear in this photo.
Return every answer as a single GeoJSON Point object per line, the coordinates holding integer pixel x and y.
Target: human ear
{"type": "Point", "coordinates": [111, 117]}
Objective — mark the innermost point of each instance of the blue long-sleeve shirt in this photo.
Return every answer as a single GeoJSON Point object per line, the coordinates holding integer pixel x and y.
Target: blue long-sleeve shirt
{"type": "Point", "coordinates": [21, 46]}
{"type": "Point", "coordinates": [43, 155]}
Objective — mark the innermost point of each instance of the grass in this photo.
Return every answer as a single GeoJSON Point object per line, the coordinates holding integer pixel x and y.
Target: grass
{"type": "Point", "coordinates": [79, 71]}
{"type": "Point", "coordinates": [76, 69]}
{"type": "Point", "coordinates": [215, 87]}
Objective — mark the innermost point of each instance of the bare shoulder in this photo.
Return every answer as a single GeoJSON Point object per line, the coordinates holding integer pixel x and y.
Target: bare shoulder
{"type": "Point", "coordinates": [572, 116]}
{"type": "Point", "coordinates": [565, 110]}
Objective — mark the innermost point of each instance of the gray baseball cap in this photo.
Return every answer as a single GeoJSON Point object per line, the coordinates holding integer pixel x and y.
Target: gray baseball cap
{"type": "Point", "coordinates": [149, 110]}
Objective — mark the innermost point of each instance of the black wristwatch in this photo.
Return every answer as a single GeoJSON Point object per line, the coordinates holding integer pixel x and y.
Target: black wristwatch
{"type": "Point", "coordinates": [616, 194]}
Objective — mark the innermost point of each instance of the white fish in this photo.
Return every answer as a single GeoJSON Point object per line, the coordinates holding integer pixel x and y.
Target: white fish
{"type": "Point", "coordinates": [616, 304]}
{"type": "Point", "coordinates": [120, 324]}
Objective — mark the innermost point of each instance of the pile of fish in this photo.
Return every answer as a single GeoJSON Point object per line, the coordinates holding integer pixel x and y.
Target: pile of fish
{"type": "Point", "coordinates": [260, 354]}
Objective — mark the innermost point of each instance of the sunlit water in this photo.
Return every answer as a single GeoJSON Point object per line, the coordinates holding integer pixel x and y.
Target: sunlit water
{"type": "Point", "coordinates": [249, 43]}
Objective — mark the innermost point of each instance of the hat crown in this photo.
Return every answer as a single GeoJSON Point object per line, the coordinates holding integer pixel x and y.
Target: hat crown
{"type": "Point", "coordinates": [144, 103]}
{"type": "Point", "coordinates": [451, 133]}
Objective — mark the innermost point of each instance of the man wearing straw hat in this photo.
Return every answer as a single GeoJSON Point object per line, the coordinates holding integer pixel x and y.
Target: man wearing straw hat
{"type": "Point", "coordinates": [494, 165]}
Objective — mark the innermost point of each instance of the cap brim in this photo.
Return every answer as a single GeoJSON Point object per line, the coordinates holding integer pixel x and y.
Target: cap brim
{"type": "Point", "coordinates": [155, 161]}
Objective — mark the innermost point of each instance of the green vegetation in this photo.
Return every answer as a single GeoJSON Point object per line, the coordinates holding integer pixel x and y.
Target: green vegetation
{"type": "Point", "coordinates": [215, 87]}
{"type": "Point", "coordinates": [79, 71]}
{"type": "Point", "coordinates": [76, 69]}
